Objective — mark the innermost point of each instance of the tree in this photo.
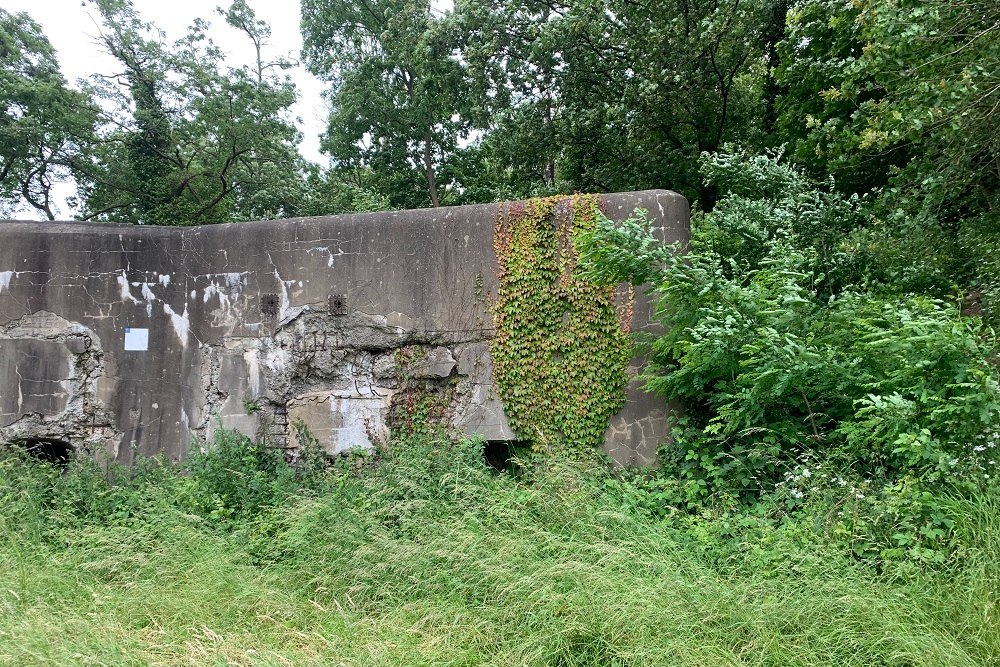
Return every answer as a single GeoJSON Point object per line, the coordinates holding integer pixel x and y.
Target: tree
{"type": "Point", "coordinates": [43, 123]}
{"type": "Point", "coordinates": [186, 140]}
{"type": "Point", "coordinates": [904, 93]}
{"type": "Point", "coordinates": [614, 94]}
{"type": "Point", "coordinates": [900, 101]}
{"type": "Point", "coordinates": [512, 51]}
{"type": "Point", "coordinates": [823, 42]}
{"type": "Point", "coordinates": [396, 92]}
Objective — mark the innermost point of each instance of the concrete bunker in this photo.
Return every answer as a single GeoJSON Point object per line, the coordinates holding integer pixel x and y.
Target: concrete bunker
{"type": "Point", "coordinates": [131, 340]}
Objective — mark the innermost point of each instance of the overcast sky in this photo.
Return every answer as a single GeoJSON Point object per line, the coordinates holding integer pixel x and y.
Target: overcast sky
{"type": "Point", "coordinates": [71, 26]}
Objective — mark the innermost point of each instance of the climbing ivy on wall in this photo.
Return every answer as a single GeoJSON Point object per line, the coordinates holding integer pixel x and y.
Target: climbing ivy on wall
{"type": "Point", "coordinates": [561, 349]}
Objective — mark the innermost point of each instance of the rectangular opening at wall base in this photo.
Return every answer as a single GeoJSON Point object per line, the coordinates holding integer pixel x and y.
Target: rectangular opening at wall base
{"type": "Point", "coordinates": [50, 450]}
{"type": "Point", "coordinates": [499, 454]}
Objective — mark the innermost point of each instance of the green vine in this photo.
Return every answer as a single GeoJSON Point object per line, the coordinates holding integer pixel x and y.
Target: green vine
{"type": "Point", "coordinates": [561, 348]}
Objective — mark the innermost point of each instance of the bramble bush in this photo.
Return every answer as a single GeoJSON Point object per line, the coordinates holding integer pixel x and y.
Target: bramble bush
{"type": "Point", "coordinates": [805, 378]}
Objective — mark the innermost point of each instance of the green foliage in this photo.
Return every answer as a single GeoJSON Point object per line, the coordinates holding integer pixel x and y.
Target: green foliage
{"type": "Point", "coordinates": [397, 92]}
{"type": "Point", "coordinates": [785, 366]}
{"type": "Point", "coordinates": [627, 251]}
{"type": "Point", "coordinates": [609, 95]}
{"type": "Point", "coordinates": [820, 44]}
{"type": "Point", "coordinates": [235, 477]}
{"type": "Point", "coordinates": [175, 137]}
{"type": "Point", "coordinates": [184, 139]}
{"type": "Point", "coordinates": [225, 481]}
{"type": "Point", "coordinates": [428, 558]}
{"type": "Point", "coordinates": [561, 348]}
{"type": "Point", "coordinates": [331, 192]}
{"type": "Point", "coordinates": [898, 100]}
{"type": "Point", "coordinates": [43, 123]}
{"type": "Point", "coordinates": [905, 90]}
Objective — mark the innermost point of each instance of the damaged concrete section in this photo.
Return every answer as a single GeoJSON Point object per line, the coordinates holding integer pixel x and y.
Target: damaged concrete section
{"type": "Point", "coordinates": [140, 340]}
{"type": "Point", "coordinates": [51, 372]}
{"type": "Point", "coordinates": [337, 374]}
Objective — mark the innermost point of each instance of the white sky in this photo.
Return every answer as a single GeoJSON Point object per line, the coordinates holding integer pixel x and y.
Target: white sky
{"type": "Point", "coordinates": [71, 26]}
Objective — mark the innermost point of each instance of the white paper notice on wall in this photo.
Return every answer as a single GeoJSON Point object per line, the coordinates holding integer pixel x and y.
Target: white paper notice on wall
{"type": "Point", "coordinates": [136, 340]}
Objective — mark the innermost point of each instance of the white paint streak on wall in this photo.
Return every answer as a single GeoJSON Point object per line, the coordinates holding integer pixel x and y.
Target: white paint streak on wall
{"type": "Point", "coordinates": [68, 376]}
{"type": "Point", "coordinates": [253, 372]}
{"type": "Point", "coordinates": [284, 294]}
{"type": "Point", "coordinates": [227, 290]}
{"type": "Point", "coordinates": [181, 323]}
{"type": "Point", "coordinates": [323, 249]}
{"type": "Point", "coordinates": [147, 294]}
{"type": "Point", "coordinates": [125, 291]}
{"type": "Point", "coordinates": [5, 277]}
{"type": "Point", "coordinates": [164, 279]}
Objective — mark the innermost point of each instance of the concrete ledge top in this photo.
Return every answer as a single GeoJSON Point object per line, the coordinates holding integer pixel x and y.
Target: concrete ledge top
{"type": "Point", "coordinates": [617, 200]}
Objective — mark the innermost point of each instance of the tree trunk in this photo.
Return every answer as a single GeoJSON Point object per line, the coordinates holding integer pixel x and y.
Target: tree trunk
{"type": "Point", "coordinates": [774, 32]}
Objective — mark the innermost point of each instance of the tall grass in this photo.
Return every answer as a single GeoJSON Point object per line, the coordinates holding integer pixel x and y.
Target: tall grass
{"type": "Point", "coordinates": [426, 558]}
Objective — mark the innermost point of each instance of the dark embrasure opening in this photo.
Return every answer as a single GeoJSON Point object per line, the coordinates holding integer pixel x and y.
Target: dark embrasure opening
{"type": "Point", "coordinates": [499, 454]}
{"type": "Point", "coordinates": [51, 450]}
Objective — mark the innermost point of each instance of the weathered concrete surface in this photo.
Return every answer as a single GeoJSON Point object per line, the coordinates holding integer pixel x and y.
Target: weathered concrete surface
{"type": "Point", "coordinates": [136, 339]}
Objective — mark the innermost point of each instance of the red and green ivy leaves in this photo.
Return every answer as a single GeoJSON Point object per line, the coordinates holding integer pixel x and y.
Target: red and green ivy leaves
{"type": "Point", "coordinates": [560, 352]}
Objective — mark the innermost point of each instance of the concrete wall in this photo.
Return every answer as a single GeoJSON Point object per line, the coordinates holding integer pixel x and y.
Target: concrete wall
{"type": "Point", "coordinates": [135, 339]}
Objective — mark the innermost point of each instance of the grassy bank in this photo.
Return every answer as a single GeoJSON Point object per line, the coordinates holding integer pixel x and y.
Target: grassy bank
{"type": "Point", "coordinates": [425, 557]}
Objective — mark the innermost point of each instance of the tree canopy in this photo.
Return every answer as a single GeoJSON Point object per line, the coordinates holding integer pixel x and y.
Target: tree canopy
{"type": "Point", "coordinates": [183, 139]}
{"type": "Point", "coordinates": [44, 124]}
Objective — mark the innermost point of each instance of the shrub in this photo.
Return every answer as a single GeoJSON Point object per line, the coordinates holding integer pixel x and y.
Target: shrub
{"type": "Point", "coordinates": [786, 363]}
{"type": "Point", "coordinates": [233, 477]}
